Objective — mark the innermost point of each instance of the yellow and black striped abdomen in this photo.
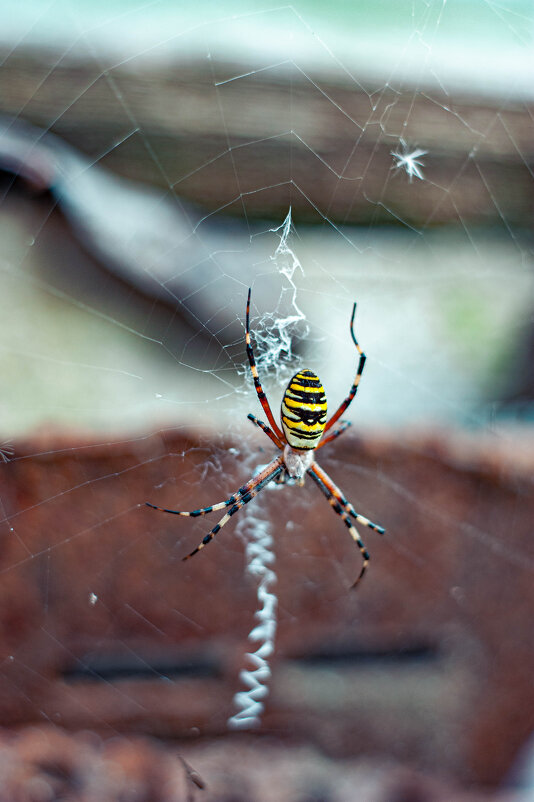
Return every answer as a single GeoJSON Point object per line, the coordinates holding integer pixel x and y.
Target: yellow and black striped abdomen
{"type": "Point", "coordinates": [304, 410]}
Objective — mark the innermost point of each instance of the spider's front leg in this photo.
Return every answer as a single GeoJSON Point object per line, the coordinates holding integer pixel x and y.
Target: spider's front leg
{"type": "Point", "coordinates": [344, 509]}
{"type": "Point", "coordinates": [246, 494]}
{"type": "Point", "coordinates": [330, 489]}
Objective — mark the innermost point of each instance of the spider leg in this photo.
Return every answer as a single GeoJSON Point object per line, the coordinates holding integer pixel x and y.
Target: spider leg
{"type": "Point", "coordinates": [359, 371]}
{"type": "Point", "coordinates": [344, 426]}
{"type": "Point", "coordinates": [344, 515]}
{"type": "Point", "coordinates": [329, 488]}
{"type": "Point", "coordinates": [202, 511]}
{"type": "Point", "coordinates": [253, 487]}
{"type": "Point", "coordinates": [257, 384]}
{"type": "Point", "coordinates": [213, 507]}
{"type": "Point", "coordinates": [263, 426]}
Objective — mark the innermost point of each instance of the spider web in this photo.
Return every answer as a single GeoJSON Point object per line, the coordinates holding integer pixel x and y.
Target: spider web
{"type": "Point", "coordinates": [435, 252]}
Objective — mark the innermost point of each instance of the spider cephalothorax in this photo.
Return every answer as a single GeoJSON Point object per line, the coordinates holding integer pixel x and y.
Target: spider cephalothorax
{"type": "Point", "coordinates": [304, 424]}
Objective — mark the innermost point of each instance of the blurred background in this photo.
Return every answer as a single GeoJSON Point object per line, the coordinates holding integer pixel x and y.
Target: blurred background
{"type": "Point", "coordinates": [157, 159]}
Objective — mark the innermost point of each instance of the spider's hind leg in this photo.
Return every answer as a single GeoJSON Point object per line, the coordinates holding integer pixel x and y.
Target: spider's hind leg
{"type": "Point", "coordinates": [342, 428]}
{"type": "Point", "coordinates": [263, 426]}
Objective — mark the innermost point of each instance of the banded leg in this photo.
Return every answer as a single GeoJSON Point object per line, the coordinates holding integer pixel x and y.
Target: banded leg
{"type": "Point", "coordinates": [344, 426]}
{"type": "Point", "coordinates": [202, 511]}
{"type": "Point", "coordinates": [257, 384]}
{"type": "Point", "coordinates": [254, 487]}
{"type": "Point", "coordinates": [221, 505]}
{"type": "Point", "coordinates": [356, 382]}
{"type": "Point", "coordinates": [344, 515]}
{"type": "Point", "coordinates": [331, 489]}
{"type": "Point", "coordinates": [263, 426]}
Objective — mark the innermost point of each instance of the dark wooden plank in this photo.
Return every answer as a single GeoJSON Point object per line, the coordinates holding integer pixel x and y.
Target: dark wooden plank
{"type": "Point", "coordinates": [278, 137]}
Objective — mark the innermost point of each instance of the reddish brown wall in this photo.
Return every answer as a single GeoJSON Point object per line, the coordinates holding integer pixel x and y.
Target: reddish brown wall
{"type": "Point", "coordinates": [431, 659]}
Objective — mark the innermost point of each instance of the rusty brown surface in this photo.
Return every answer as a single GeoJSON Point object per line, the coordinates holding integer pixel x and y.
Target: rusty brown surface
{"type": "Point", "coordinates": [47, 763]}
{"type": "Point", "coordinates": [430, 660]}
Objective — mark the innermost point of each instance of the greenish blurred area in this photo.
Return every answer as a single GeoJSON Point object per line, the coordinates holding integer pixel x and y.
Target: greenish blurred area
{"type": "Point", "coordinates": [456, 304]}
{"type": "Point", "coordinates": [500, 24]}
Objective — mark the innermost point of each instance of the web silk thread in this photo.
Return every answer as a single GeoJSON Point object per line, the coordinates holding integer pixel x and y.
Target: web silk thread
{"type": "Point", "coordinates": [260, 559]}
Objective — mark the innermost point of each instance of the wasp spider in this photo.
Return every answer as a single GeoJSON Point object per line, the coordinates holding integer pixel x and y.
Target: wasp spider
{"type": "Point", "coordinates": [304, 426]}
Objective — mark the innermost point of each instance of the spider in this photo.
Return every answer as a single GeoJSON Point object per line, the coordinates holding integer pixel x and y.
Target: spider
{"type": "Point", "coordinates": [304, 426]}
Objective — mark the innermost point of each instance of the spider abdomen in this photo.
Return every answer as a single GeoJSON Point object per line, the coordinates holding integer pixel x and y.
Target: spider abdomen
{"type": "Point", "coordinates": [304, 411]}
